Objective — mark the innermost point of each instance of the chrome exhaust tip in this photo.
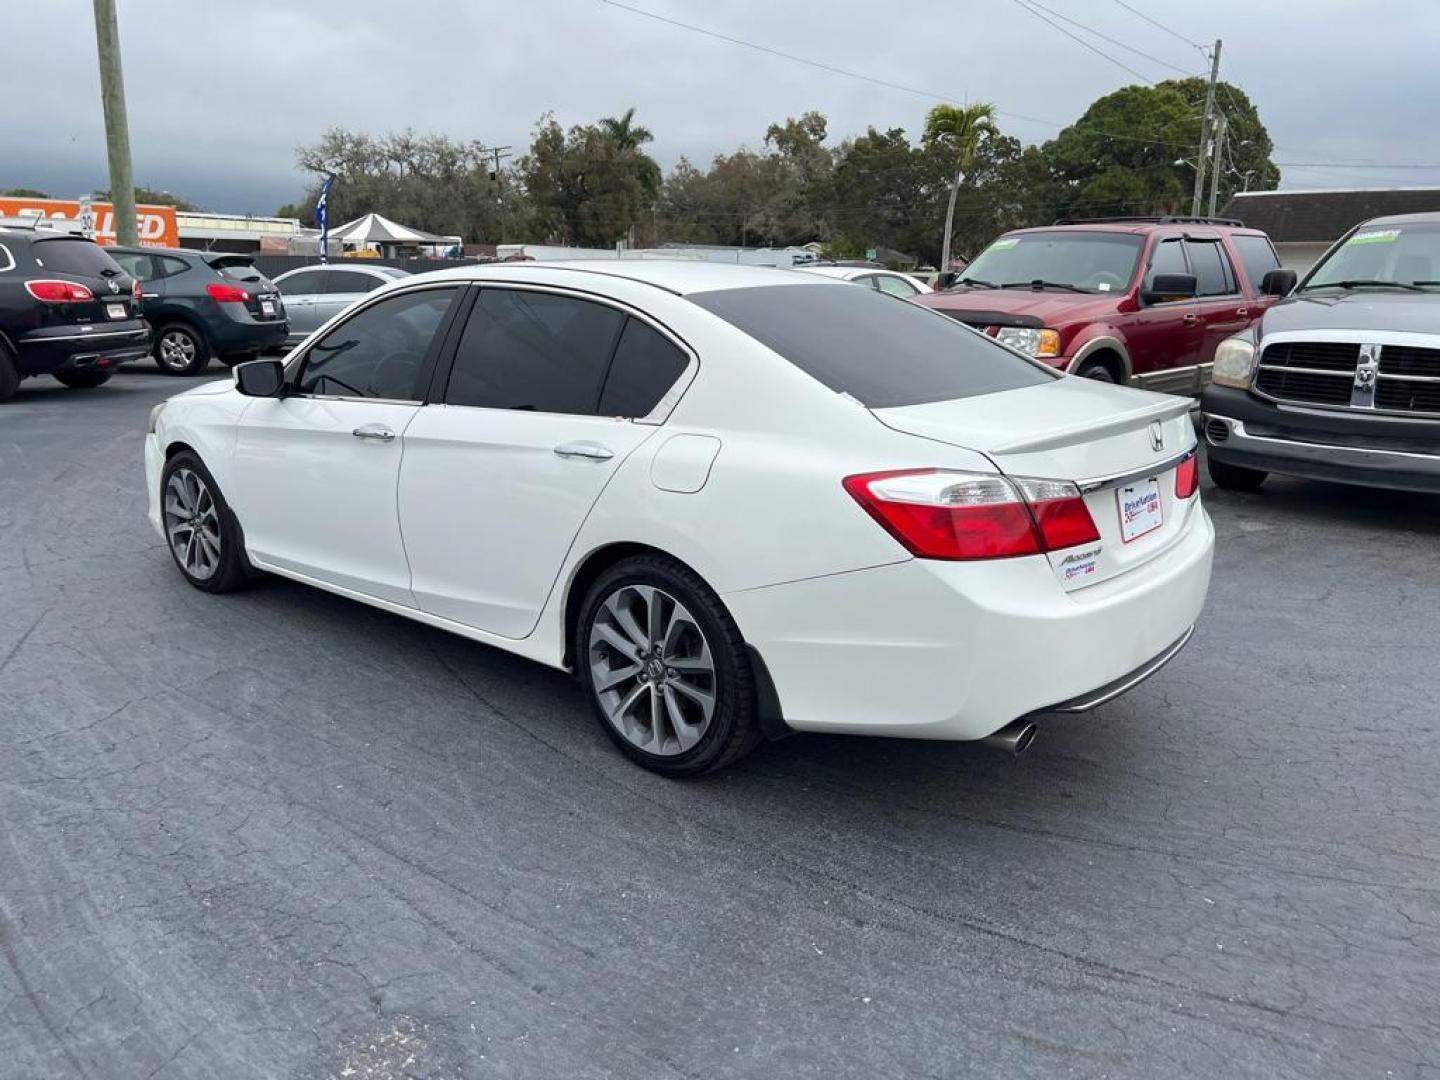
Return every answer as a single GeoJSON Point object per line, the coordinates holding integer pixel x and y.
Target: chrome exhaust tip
{"type": "Point", "coordinates": [1013, 738]}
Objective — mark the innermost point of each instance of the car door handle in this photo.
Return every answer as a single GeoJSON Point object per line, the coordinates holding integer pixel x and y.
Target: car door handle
{"type": "Point", "coordinates": [591, 450]}
{"type": "Point", "coordinates": [1190, 317]}
{"type": "Point", "coordinates": [374, 431]}
{"type": "Point", "coordinates": [1241, 313]}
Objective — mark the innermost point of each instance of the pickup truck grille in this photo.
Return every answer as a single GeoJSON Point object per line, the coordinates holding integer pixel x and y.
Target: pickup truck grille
{"type": "Point", "coordinates": [1401, 379]}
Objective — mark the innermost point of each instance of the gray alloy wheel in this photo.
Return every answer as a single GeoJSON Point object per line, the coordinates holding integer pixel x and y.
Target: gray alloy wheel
{"type": "Point", "coordinates": [192, 524]}
{"type": "Point", "coordinates": [652, 670]}
{"type": "Point", "coordinates": [176, 349]}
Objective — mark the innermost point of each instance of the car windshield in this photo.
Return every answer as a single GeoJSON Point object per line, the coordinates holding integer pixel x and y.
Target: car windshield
{"type": "Point", "coordinates": [1079, 259]}
{"type": "Point", "coordinates": [1401, 255]}
{"type": "Point", "coordinates": [880, 350]}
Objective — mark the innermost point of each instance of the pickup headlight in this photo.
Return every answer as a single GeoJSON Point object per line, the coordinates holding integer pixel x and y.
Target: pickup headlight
{"type": "Point", "coordinates": [1234, 363]}
{"type": "Point", "coordinates": [1029, 341]}
{"type": "Point", "coordinates": [154, 418]}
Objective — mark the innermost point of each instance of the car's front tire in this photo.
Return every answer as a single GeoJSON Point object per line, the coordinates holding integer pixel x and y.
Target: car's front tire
{"type": "Point", "coordinates": [180, 349]}
{"type": "Point", "coordinates": [665, 668]}
{"type": "Point", "coordinates": [85, 379]}
{"type": "Point", "coordinates": [1235, 477]}
{"type": "Point", "coordinates": [200, 529]}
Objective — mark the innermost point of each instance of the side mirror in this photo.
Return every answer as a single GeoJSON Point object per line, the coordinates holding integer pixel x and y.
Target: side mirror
{"type": "Point", "coordinates": [260, 378]}
{"type": "Point", "coordinates": [1278, 282]}
{"type": "Point", "coordinates": [1170, 287]}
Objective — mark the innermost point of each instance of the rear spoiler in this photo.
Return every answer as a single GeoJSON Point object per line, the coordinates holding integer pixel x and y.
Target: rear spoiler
{"type": "Point", "coordinates": [1116, 425]}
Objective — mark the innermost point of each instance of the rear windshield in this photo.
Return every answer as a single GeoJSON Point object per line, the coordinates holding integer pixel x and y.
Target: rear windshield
{"type": "Point", "coordinates": [882, 351]}
{"type": "Point", "coordinates": [237, 268]}
{"type": "Point", "coordinates": [73, 255]}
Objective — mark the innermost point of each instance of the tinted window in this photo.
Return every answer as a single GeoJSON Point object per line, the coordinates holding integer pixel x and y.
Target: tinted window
{"type": "Point", "coordinates": [646, 365]}
{"type": "Point", "coordinates": [896, 286]}
{"type": "Point", "coordinates": [305, 283]}
{"type": "Point", "coordinates": [238, 270]}
{"type": "Point", "coordinates": [379, 351]}
{"type": "Point", "coordinates": [535, 351]}
{"type": "Point", "coordinates": [349, 281]}
{"type": "Point", "coordinates": [136, 265]}
{"type": "Point", "coordinates": [858, 342]}
{"type": "Point", "coordinates": [170, 267]}
{"type": "Point", "coordinates": [7, 260]}
{"type": "Point", "coordinates": [1167, 258]}
{"type": "Point", "coordinates": [1213, 276]}
{"type": "Point", "coordinates": [66, 256]}
{"type": "Point", "coordinates": [1257, 255]}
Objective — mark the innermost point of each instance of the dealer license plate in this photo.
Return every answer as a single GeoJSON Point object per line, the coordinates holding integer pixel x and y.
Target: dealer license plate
{"type": "Point", "coordinates": [116, 311]}
{"type": "Point", "coordinates": [1139, 509]}
{"type": "Point", "coordinates": [267, 307]}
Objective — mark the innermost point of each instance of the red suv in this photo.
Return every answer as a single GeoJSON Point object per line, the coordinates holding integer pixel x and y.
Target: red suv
{"type": "Point", "coordinates": [1128, 300]}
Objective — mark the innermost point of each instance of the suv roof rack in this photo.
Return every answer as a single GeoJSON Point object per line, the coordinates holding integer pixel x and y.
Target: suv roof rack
{"type": "Point", "coordinates": [1161, 219]}
{"type": "Point", "coordinates": [40, 223]}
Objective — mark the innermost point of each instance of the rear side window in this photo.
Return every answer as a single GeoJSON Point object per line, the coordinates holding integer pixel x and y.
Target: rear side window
{"type": "Point", "coordinates": [84, 258]}
{"type": "Point", "coordinates": [1211, 267]}
{"type": "Point", "coordinates": [7, 260]}
{"type": "Point", "coordinates": [1257, 255]}
{"type": "Point", "coordinates": [379, 351]}
{"type": "Point", "coordinates": [170, 266]}
{"type": "Point", "coordinates": [350, 281]}
{"type": "Point", "coordinates": [533, 351]}
{"type": "Point", "coordinates": [862, 343]}
{"type": "Point", "coordinates": [896, 286]}
{"type": "Point", "coordinates": [646, 365]}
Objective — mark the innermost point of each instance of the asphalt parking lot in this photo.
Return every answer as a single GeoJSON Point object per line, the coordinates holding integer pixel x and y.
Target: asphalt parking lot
{"type": "Point", "coordinates": [279, 834]}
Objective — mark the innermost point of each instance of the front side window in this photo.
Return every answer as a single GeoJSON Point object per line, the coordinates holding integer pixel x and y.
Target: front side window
{"type": "Point", "coordinates": [1404, 255]}
{"type": "Point", "coordinates": [1085, 259]}
{"type": "Point", "coordinates": [1213, 274]}
{"type": "Point", "coordinates": [1258, 256]}
{"type": "Point", "coordinates": [1168, 258]}
{"type": "Point", "coordinates": [351, 281]}
{"type": "Point", "coordinates": [861, 343]}
{"type": "Point", "coordinates": [379, 351]}
{"type": "Point", "coordinates": [140, 267]}
{"type": "Point", "coordinates": [646, 365]}
{"type": "Point", "coordinates": [535, 351]}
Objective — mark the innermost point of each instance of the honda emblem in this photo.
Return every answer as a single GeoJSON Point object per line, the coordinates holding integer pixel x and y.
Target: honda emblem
{"type": "Point", "coordinates": [1157, 437]}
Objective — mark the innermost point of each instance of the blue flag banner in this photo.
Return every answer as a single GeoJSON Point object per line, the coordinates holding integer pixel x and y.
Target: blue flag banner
{"type": "Point", "coordinates": [322, 217]}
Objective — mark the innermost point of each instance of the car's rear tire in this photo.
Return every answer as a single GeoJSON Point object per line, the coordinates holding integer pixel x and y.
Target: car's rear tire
{"type": "Point", "coordinates": [85, 379]}
{"type": "Point", "coordinates": [683, 708]}
{"type": "Point", "coordinates": [180, 349]}
{"type": "Point", "coordinates": [9, 375]}
{"type": "Point", "coordinates": [1235, 477]}
{"type": "Point", "coordinates": [1096, 370]}
{"type": "Point", "coordinates": [200, 528]}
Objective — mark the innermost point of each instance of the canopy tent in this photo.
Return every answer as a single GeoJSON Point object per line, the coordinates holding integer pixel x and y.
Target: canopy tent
{"type": "Point", "coordinates": [375, 229]}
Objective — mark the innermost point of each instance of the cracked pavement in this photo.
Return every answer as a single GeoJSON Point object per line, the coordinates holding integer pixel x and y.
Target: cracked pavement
{"type": "Point", "coordinates": [279, 834]}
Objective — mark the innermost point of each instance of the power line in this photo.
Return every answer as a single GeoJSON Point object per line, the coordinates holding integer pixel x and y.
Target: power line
{"type": "Point", "coordinates": [1162, 26]}
{"type": "Point", "coordinates": [1098, 52]}
{"type": "Point", "coordinates": [1113, 41]}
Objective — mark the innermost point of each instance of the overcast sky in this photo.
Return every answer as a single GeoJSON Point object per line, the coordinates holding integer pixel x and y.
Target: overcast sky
{"type": "Point", "coordinates": [220, 95]}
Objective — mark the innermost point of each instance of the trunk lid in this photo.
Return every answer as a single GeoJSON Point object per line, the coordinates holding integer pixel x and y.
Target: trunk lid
{"type": "Point", "coordinates": [1100, 437]}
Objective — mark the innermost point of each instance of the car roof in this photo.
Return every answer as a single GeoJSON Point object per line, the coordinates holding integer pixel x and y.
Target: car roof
{"type": "Point", "coordinates": [1425, 218]}
{"type": "Point", "coordinates": [1140, 228]}
{"type": "Point", "coordinates": [679, 276]}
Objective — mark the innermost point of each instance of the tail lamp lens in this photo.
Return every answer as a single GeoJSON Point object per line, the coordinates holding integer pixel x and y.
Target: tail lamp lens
{"type": "Point", "coordinates": [58, 292]}
{"type": "Point", "coordinates": [1187, 478]}
{"type": "Point", "coordinates": [227, 294]}
{"type": "Point", "coordinates": [938, 514]}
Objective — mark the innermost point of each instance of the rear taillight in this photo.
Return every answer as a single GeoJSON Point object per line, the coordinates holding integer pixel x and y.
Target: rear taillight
{"type": "Point", "coordinates": [227, 294]}
{"type": "Point", "coordinates": [58, 292]}
{"type": "Point", "coordinates": [1187, 478]}
{"type": "Point", "coordinates": [937, 514]}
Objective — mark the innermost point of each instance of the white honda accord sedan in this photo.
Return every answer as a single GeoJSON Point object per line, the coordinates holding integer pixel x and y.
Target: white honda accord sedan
{"type": "Point", "coordinates": [734, 501]}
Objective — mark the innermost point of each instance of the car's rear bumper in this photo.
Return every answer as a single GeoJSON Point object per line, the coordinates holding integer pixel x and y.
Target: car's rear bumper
{"type": "Point", "coordinates": [1376, 451]}
{"type": "Point", "coordinates": [236, 332]}
{"type": "Point", "coordinates": [927, 649]}
{"type": "Point", "coordinates": [53, 349]}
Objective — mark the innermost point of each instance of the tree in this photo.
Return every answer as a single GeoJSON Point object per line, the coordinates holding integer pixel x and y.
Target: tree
{"type": "Point", "coordinates": [958, 129]}
{"type": "Point", "coordinates": [589, 186]}
{"type": "Point", "coordinates": [24, 193]}
{"type": "Point", "coordinates": [153, 197]}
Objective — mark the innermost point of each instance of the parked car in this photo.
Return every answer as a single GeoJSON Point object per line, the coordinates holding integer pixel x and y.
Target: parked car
{"type": "Point", "coordinates": [1143, 301]}
{"type": "Point", "coordinates": [316, 294]}
{"type": "Point", "coordinates": [733, 500]}
{"type": "Point", "coordinates": [66, 309]}
{"type": "Point", "coordinates": [1340, 381]}
{"type": "Point", "coordinates": [887, 281]}
{"type": "Point", "coordinates": [204, 304]}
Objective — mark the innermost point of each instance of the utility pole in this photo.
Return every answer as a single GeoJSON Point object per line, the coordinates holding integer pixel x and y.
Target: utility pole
{"type": "Point", "coordinates": [1221, 126]}
{"type": "Point", "coordinates": [1205, 130]}
{"type": "Point", "coordinates": [117, 128]}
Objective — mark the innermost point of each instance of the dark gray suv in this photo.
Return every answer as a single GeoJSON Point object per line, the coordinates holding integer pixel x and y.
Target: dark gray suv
{"type": "Point", "coordinates": [204, 304]}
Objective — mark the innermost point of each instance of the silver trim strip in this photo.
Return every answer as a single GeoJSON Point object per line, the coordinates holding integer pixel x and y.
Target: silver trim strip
{"type": "Point", "coordinates": [1164, 466]}
{"type": "Point", "coordinates": [1322, 453]}
{"type": "Point", "coordinates": [1307, 370]}
{"type": "Point", "coordinates": [79, 337]}
{"type": "Point", "coordinates": [1096, 698]}
{"type": "Point", "coordinates": [1408, 378]}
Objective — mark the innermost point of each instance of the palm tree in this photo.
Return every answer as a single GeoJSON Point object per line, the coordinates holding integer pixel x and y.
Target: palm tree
{"type": "Point", "coordinates": [958, 128]}
{"type": "Point", "coordinates": [626, 134]}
